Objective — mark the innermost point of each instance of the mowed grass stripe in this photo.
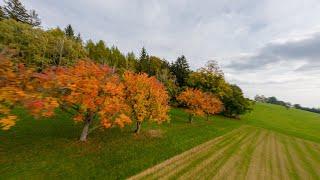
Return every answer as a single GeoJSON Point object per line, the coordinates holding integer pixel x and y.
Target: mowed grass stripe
{"type": "Point", "coordinates": [312, 151]}
{"type": "Point", "coordinates": [304, 157]}
{"type": "Point", "coordinates": [254, 170]}
{"type": "Point", "coordinates": [240, 161]}
{"type": "Point", "coordinates": [186, 156]}
{"type": "Point", "coordinates": [292, 164]}
{"type": "Point", "coordinates": [207, 151]}
{"type": "Point", "coordinates": [282, 159]}
{"type": "Point", "coordinates": [181, 164]}
{"type": "Point", "coordinates": [219, 163]}
{"type": "Point", "coordinates": [245, 153]}
{"type": "Point", "coordinates": [244, 167]}
{"type": "Point", "coordinates": [198, 166]}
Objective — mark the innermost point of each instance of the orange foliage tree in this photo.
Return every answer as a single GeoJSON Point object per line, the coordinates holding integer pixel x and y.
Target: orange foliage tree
{"type": "Point", "coordinates": [92, 92]}
{"type": "Point", "coordinates": [211, 105]}
{"type": "Point", "coordinates": [199, 103]}
{"type": "Point", "coordinates": [193, 99]}
{"type": "Point", "coordinates": [146, 97]}
{"type": "Point", "coordinates": [17, 87]}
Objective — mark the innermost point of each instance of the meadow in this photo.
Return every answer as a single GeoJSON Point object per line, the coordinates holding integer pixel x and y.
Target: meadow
{"type": "Point", "coordinates": [269, 142]}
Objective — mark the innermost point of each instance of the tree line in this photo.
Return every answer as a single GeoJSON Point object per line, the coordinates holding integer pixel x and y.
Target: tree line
{"type": "Point", "coordinates": [274, 100]}
{"type": "Point", "coordinates": [55, 68]}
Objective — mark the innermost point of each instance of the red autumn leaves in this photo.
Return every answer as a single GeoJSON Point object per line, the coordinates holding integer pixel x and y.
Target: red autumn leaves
{"type": "Point", "coordinates": [94, 94]}
{"type": "Point", "coordinates": [91, 91]}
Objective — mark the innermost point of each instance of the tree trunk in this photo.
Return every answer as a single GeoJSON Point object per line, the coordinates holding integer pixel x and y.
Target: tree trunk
{"type": "Point", "coordinates": [87, 123]}
{"type": "Point", "coordinates": [61, 51]}
{"type": "Point", "coordinates": [207, 117]}
{"type": "Point", "coordinates": [190, 118]}
{"type": "Point", "coordinates": [137, 131]}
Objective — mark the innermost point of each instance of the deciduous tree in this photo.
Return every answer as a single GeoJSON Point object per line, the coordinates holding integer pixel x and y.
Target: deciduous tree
{"type": "Point", "coordinates": [210, 79]}
{"type": "Point", "coordinates": [146, 97]}
{"type": "Point", "coordinates": [235, 103]}
{"type": "Point", "coordinates": [193, 100]}
{"type": "Point", "coordinates": [17, 87]}
{"type": "Point", "coordinates": [36, 47]}
{"type": "Point", "coordinates": [211, 105]}
{"type": "Point", "coordinates": [93, 92]}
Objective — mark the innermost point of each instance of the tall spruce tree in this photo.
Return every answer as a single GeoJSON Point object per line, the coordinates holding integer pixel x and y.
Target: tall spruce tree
{"type": "Point", "coordinates": [69, 31]}
{"type": "Point", "coordinates": [180, 68]}
{"type": "Point", "coordinates": [14, 9]}
{"type": "Point", "coordinates": [144, 62]}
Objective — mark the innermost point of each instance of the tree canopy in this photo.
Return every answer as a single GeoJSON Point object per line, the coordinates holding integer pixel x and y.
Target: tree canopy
{"type": "Point", "coordinates": [14, 9]}
{"type": "Point", "coordinates": [235, 103]}
{"type": "Point", "coordinates": [47, 68]}
{"type": "Point", "coordinates": [146, 97]}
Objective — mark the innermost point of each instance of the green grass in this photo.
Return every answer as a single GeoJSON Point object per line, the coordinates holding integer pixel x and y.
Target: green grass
{"type": "Point", "coordinates": [49, 148]}
{"type": "Point", "coordinates": [293, 122]}
{"type": "Point", "coordinates": [246, 153]}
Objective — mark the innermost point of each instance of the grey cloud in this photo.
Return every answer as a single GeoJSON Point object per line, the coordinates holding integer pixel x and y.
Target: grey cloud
{"type": "Point", "coordinates": [307, 50]}
{"type": "Point", "coordinates": [312, 67]}
{"type": "Point", "coordinates": [204, 30]}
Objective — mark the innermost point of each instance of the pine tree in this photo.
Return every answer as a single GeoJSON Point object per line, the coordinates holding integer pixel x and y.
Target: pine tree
{"type": "Point", "coordinates": [69, 31]}
{"type": "Point", "coordinates": [34, 19]}
{"type": "Point", "coordinates": [144, 63]}
{"type": "Point", "coordinates": [15, 10]}
{"type": "Point", "coordinates": [180, 68]}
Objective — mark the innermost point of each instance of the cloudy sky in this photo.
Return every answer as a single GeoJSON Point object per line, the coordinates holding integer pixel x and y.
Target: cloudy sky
{"type": "Point", "coordinates": [268, 47]}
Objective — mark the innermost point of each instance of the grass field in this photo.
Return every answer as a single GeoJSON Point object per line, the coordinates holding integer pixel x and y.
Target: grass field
{"type": "Point", "coordinates": [245, 153]}
{"type": "Point", "coordinates": [271, 142]}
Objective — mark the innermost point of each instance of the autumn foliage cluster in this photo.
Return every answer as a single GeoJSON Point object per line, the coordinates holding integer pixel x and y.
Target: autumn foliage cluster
{"type": "Point", "coordinates": [44, 73]}
{"type": "Point", "coordinates": [199, 103]}
{"type": "Point", "coordinates": [94, 94]}
{"type": "Point", "coordinates": [146, 97]}
{"type": "Point", "coordinates": [17, 86]}
{"type": "Point", "coordinates": [91, 92]}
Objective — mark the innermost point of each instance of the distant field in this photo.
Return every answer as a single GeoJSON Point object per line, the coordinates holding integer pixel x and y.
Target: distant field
{"type": "Point", "coordinates": [245, 153]}
{"type": "Point", "coordinates": [271, 142]}
{"type": "Point", "coordinates": [293, 122]}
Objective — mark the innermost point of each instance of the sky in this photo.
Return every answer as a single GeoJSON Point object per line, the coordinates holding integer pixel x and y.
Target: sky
{"type": "Point", "coordinates": [268, 47]}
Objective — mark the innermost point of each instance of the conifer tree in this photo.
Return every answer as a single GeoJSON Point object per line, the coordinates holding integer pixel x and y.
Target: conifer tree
{"type": "Point", "coordinates": [69, 31]}
{"type": "Point", "coordinates": [14, 9]}
{"type": "Point", "coordinates": [144, 64]}
{"type": "Point", "coordinates": [180, 68]}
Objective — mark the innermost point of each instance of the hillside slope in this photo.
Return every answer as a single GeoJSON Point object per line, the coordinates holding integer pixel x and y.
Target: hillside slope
{"type": "Point", "coordinates": [49, 147]}
{"type": "Point", "coordinates": [265, 147]}
{"type": "Point", "coordinates": [294, 122]}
